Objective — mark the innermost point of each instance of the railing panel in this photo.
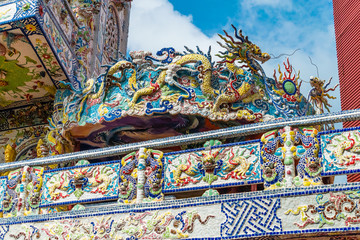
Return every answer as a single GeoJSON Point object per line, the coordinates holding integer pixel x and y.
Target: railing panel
{"type": "Point", "coordinates": [78, 184]}
{"type": "Point", "coordinates": [214, 165]}
{"type": "Point", "coordinates": [340, 150]}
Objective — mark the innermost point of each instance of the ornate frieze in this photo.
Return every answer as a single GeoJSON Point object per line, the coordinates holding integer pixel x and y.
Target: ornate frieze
{"type": "Point", "coordinates": [215, 165]}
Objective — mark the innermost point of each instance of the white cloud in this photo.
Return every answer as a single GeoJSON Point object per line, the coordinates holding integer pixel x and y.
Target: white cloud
{"type": "Point", "coordinates": [155, 24]}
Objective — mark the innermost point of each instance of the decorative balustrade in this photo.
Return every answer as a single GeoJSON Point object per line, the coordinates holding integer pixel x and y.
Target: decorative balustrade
{"type": "Point", "coordinates": [289, 161]}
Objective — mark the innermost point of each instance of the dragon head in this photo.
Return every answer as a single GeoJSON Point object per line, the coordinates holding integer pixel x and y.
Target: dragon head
{"type": "Point", "coordinates": [156, 182]}
{"type": "Point", "coordinates": [209, 160]}
{"type": "Point", "coordinates": [269, 171]}
{"type": "Point", "coordinates": [313, 166]}
{"type": "Point", "coordinates": [8, 202]}
{"type": "Point", "coordinates": [34, 199]}
{"type": "Point", "coordinates": [242, 50]}
{"type": "Point", "coordinates": [79, 178]}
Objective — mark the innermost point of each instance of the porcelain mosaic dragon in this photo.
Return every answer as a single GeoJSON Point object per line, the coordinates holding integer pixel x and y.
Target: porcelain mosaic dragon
{"type": "Point", "coordinates": [129, 172]}
{"type": "Point", "coordinates": [210, 165]}
{"type": "Point", "coordinates": [91, 180]}
{"type": "Point", "coordinates": [189, 83]}
{"type": "Point", "coordinates": [23, 190]}
{"type": "Point", "coordinates": [304, 148]}
{"type": "Point", "coordinates": [346, 148]}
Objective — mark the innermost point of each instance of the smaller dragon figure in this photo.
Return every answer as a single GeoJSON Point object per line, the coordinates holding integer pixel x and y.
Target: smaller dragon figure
{"type": "Point", "coordinates": [237, 165]}
{"type": "Point", "coordinates": [153, 173]}
{"type": "Point", "coordinates": [319, 94]}
{"type": "Point", "coordinates": [188, 169]}
{"type": "Point", "coordinates": [22, 195]}
{"type": "Point", "coordinates": [129, 175]}
{"type": "Point", "coordinates": [88, 179]}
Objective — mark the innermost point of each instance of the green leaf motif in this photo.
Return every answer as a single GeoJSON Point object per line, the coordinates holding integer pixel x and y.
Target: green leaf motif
{"type": "Point", "coordinates": [78, 193]}
{"type": "Point", "coordinates": [210, 178]}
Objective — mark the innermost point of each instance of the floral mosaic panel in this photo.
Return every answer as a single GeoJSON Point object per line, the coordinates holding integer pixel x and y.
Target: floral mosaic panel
{"type": "Point", "coordinates": [58, 43]}
{"type": "Point", "coordinates": [59, 11]}
{"type": "Point", "coordinates": [340, 152]}
{"type": "Point", "coordinates": [91, 183]}
{"type": "Point", "coordinates": [156, 224]}
{"type": "Point", "coordinates": [220, 166]}
{"type": "Point", "coordinates": [325, 210]}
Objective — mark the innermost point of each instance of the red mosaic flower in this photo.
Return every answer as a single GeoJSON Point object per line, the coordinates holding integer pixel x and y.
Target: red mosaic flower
{"type": "Point", "coordinates": [46, 56]}
{"type": "Point", "coordinates": [41, 10]}
{"type": "Point", "coordinates": [28, 97]}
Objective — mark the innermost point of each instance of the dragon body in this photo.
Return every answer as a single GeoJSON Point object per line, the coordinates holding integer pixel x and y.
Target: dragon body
{"type": "Point", "coordinates": [347, 143]}
{"type": "Point", "coordinates": [168, 72]}
{"type": "Point", "coordinates": [153, 184]}
{"type": "Point", "coordinates": [309, 165]}
{"type": "Point", "coordinates": [273, 168]}
{"type": "Point", "coordinates": [128, 176]}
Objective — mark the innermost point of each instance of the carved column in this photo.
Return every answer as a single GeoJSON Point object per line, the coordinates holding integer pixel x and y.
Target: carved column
{"type": "Point", "coordinates": [141, 175]}
{"type": "Point", "coordinates": [289, 150]}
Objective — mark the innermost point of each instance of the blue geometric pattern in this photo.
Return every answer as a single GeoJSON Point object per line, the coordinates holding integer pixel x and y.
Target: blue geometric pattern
{"type": "Point", "coordinates": [2, 190]}
{"type": "Point", "coordinates": [20, 12]}
{"type": "Point", "coordinates": [3, 231]}
{"type": "Point", "coordinates": [250, 217]}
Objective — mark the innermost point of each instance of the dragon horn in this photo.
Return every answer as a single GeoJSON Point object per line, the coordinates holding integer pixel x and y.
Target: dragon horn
{"type": "Point", "coordinates": [231, 38]}
{"type": "Point", "coordinates": [228, 41]}
{"type": "Point", "coordinates": [226, 47]}
{"type": "Point", "coordinates": [239, 36]}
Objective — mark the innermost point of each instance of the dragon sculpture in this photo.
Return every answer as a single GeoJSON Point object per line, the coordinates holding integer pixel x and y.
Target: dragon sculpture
{"type": "Point", "coordinates": [129, 176]}
{"type": "Point", "coordinates": [309, 166]}
{"type": "Point", "coordinates": [319, 94]}
{"type": "Point", "coordinates": [245, 52]}
{"type": "Point", "coordinates": [273, 167]}
{"type": "Point", "coordinates": [208, 165]}
{"type": "Point", "coordinates": [22, 196]}
{"type": "Point", "coordinates": [79, 180]}
{"type": "Point", "coordinates": [174, 77]}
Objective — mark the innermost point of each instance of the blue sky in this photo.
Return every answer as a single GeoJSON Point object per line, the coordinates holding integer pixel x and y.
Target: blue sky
{"type": "Point", "coordinates": [276, 26]}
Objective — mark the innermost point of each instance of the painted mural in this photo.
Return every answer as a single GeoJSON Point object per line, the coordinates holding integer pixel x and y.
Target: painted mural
{"type": "Point", "coordinates": [22, 73]}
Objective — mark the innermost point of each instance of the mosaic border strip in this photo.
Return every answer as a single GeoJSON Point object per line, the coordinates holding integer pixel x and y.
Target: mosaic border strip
{"type": "Point", "coordinates": [272, 196]}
